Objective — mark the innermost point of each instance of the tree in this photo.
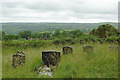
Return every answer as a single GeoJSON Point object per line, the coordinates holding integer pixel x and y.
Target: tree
{"type": "Point", "coordinates": [36, 35]}
{"type": "Point", "coordinates": [10, 37]}
{"type": "Point", "coordinates": [57, 33]}
{"type": "Point", "coordinates": [104, 31]}
{"type": "Point", "coordinates": [46, 35]}
{"type": "Point", "coordinates": [25, 34]}
{"type": "Point", "coordinates": [76, 33]}
{"type": "Point", "coordinates": [93, 32]}
{"type": "Point", "coordinates": [65, 33]}
{"type": "Point", "coordinates": [3, 33]}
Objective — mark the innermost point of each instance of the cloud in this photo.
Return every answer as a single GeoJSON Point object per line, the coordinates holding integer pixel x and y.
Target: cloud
{"type": "Point", "coordinates": [60, 11]}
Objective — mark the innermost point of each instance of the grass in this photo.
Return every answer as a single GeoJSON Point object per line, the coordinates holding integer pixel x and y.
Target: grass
{"type": "Point", "coordinates": [0, 60]}
{"type": "Point", "coordinates": [100, 64]}
{"type": "Point", "coordinates": [0, 65]}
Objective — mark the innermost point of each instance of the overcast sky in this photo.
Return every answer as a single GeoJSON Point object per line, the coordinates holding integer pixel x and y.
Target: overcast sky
{"type": "Point", "coordinates": [83, 11]}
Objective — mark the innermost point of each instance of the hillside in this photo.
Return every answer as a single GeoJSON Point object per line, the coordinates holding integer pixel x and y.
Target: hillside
{"type": "Point", "coordinates": [14, 28]}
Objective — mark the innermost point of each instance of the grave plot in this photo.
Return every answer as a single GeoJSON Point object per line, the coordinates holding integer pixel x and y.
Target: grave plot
{"type": "Point", "coordinates": [88, 49]}
{"type": "Point", "coordinates": [18, 59]}
{"type": "Point", "coordinates": [47, 71]}
{"type": "Point", "coordinates": [51, 60]}
{"type": "Point", "coordinates": [67, 50]}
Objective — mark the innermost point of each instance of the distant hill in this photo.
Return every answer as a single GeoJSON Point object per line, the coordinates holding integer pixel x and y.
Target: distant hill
{"type": "Point", "coordinates": [14, 28]}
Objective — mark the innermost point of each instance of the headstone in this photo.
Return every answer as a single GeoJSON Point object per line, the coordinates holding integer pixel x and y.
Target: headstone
{"type": "Point", "coordinates": [67, 50]}
{"type": "Point", "coordinates": [87, 49]}
{"type": "Point", "coordinates": [50, 58]}
{"type": "Point", "coordinates": [18, 60]}
{"type": "Point", "coordinates": [113, 48]}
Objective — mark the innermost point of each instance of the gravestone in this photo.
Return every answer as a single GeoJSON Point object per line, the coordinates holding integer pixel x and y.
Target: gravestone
{"type": "Point", "coordinates": [88, 49]}
{"type": "Point", "coordinates": [50, 58]}
{"type": "Point", "coordinates": [18, 60]}
{"type": "Point", "coordinates": [113, 48]}
{"type": "Point", "coordinates": [67, 50]}
{"type": "Point", "coordinates": [20, 53]}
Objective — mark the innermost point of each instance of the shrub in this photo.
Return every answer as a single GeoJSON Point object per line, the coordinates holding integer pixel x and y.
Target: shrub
{"type": "Point", "coordinates": [112, 39]}
{"type": "Point", "coordinates": [24, 43]}
{"type": "Point", "coordinates": [104, 31]}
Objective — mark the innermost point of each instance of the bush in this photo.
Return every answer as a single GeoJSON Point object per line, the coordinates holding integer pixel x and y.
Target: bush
{"type": "Point", "coordinates": [64, 41]}
{"type": "Point", "coordinates": [104, 31]}
{"type": "Point", "coordinates": [24, 43]}
{"type": "Point", "coordinates": [100, 40]}
{"type": "Point", "coordinates": [36, 43]}
{"type": "Point", "coordinates": [112, 39]}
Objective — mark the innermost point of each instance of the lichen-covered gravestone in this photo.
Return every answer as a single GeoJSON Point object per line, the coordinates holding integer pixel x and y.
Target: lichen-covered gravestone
{"type": "Point", "coordinates": [67, 50]}
{"type": "Point", "coordinates": [50, 58]}
{"type": "Point", "coordinates": [88, 49]}
{"type": "Point", "coordinates": [18, 59]}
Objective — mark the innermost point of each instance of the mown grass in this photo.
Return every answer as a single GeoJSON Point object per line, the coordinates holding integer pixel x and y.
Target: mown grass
{"type": "Point", "coordinates": [100, 64]}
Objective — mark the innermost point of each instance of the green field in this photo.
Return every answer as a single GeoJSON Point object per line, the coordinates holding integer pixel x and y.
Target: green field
{"type": "Point", "coordinates": [14, 28]}
{"type": "Point", "coordinates": [102, 63]}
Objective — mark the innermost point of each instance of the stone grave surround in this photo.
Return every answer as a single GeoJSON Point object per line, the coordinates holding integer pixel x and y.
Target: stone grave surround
{"type": "Point", "coordinates": [18, 59]}
{"type": "Point", "coordinates": [50, 58]}
{"type": "Point", "coordinates": [87, 49]}
{"type": "Point", "coordinates": [67, 50]}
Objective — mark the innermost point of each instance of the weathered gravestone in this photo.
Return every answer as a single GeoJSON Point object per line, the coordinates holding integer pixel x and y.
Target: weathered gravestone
{"type": "Point", "coordinates": [113, 48]}
{"type": "Point", "coordinates": [88, 49]}
{"type": "Point", "coordinates": [18, 59]}
{"type": "Point", "coordinates": [67, 50]}
{"type": "Point", "coordinates": [50, 58]}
